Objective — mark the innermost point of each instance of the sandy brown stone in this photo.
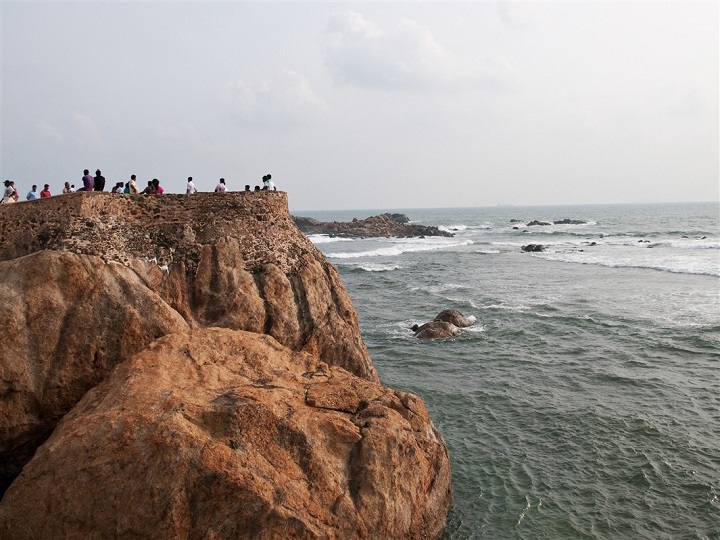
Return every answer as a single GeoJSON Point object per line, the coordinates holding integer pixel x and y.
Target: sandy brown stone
{"type": "Point", "coordinates": [259, 413]}
{"type": "Point", "coordinates": [77, 298]}
{"type": "Point", "coordinates": [214, 433]}
{"type": "Point", "coordinates": [205, 255]}
{"type": "Point", "coordinates": [66, 321]}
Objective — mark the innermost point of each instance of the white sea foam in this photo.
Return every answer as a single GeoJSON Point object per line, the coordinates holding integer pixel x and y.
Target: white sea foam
{"type": "Point", "coordinates": [400, 248]}
{"type": "Point", "coordinates": [326, 239]}
{"type": "Point", "coordinates": [453, 228]}
{"type": "Point", "coordinates": [664, 262]}
{"type": "Point", "coordinates": [520, 308]}
{"type": "Point", "coordinates": [435, 289]}
{"type": "Point", "coordinates": [376, 267]}
{"type": "Point", "coordinates": [474, 329]}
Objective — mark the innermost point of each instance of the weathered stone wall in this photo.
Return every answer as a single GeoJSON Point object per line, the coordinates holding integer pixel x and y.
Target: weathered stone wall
{"type": "Point", "coordinates": [164, 228]}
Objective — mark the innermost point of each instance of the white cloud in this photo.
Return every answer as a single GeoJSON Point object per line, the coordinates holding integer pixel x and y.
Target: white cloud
{"type": "Point", "coordinates": [49, 130]}
{"type": "Point", "coordinates": [359, 52]}
{"type": "Point", "coordinates": [287, 100]}
{"type": "Point", "coordinates": [88, 127]}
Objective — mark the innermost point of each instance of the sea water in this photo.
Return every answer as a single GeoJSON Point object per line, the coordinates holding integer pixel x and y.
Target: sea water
{"type": "Point", "coordinates": [585, 401]}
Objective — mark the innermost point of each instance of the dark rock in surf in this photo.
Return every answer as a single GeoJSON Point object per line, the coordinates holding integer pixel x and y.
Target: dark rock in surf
{"type": "Point", "coordinates": [536, 222]}
{"type": "Point", "coordinates": [384, 225]}
{"type": "Point", "coordinates": [567, 221]}
{"type": "Point", "coordinates": [533, 248]}
{"type": "Point", "coordinates": [435, 330]}
{"type": "Point", "coordinates": [453, 316]}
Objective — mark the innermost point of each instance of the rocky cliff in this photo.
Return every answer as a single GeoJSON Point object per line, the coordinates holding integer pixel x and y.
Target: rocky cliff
{"type": "Point", "coordinates": [191, 366]}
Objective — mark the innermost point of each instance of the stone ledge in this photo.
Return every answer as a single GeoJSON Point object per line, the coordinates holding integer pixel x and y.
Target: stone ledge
{"type": "Point", "coordinates": [167, 229]}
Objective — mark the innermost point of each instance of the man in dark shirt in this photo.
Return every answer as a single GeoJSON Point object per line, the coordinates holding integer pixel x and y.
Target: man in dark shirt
{"type": "Point", "coordinates": [99, 184]}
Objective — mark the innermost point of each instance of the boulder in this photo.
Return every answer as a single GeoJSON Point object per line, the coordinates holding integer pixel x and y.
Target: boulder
{"type": "Point", "coordinates": [76, 300]}
{"type": "Point", "coordinates": [215, 433]}
{"type": "Point", "coordinates": [67, 320]}
{"type": "Point", "coordinates": [455, 317]}
{"type": "Point", "coordinates": [533, 248]}
{"type": "Point", "coordinates": [215, 376]}
{"type": "Point", "coordinates": [435, 330]}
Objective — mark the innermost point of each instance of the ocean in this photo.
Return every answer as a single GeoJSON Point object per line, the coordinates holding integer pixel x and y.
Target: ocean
{"type": "Point", "coordinates": [585, 401]}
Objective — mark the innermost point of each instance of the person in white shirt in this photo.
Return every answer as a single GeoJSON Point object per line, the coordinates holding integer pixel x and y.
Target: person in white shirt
{"type": "Point", "coordinates": [132, 186]}
{"type": "Point", "coordinates": [268, 184]}
{"type": "Point", "coordinates": [191, 186]}
{"type": "Point", "coordinates": [221, 188]}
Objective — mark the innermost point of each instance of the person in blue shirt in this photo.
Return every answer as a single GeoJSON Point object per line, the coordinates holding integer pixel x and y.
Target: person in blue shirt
{"type": "Point", "coordinates": [33, 194]}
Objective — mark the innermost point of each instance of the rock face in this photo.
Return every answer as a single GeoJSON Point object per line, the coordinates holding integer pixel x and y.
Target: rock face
{"type": "Point", "coordinates": [90, 281]}
{"type": "Point", "coordinates": [390, 225]}
{"type": "Point", "coordinates": [67, 320]}
{"type": "Point", "coordinates": [213, 433]}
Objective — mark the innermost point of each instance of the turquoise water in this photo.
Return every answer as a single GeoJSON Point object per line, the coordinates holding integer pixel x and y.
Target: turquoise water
{"type": "Point", "coordinates": [585, 401]}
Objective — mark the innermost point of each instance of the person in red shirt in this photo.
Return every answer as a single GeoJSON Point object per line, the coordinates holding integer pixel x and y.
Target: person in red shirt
{"type": "Point", "coordinates": [45, 192]}
{"type": "Point", "coordinates": [158, 188]}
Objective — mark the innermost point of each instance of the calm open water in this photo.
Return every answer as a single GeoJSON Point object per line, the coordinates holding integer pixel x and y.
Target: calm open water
{"type": "Point", "coordinates": [585, 402]}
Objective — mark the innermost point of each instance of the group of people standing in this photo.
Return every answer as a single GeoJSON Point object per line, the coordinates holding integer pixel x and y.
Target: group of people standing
{"type": "Point", "coordinates": [11, 195]}
{"type": "Point", "coordinates": [97, 183]}
{"type": "Point", "coordinates": [268, 185]}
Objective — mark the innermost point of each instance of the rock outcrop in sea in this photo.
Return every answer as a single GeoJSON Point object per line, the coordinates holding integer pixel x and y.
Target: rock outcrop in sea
{"type": "Point", "coordinates": [191, 366]}
{"type": "Point", "coordinates": [386, 225]}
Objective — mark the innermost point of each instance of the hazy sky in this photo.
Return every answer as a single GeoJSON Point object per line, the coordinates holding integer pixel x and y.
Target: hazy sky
{"type": "Point", "coordinates": [369, 105]}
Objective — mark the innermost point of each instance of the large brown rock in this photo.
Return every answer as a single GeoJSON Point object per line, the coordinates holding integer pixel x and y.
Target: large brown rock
{"type": "Point", "coordinates": [89, 279]}
{"type": "Point", "coordinates": [66, 321]}
{"type": "Point", "coordinates": [214, 433]}
{"type": "Point", "coordinates": [217, 259]}
{"type": "Point", "coordinates": [227, 390]}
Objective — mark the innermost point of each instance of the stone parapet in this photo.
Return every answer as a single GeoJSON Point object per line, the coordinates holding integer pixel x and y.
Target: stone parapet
{"type": "Point", "coordinates": [167, 229]}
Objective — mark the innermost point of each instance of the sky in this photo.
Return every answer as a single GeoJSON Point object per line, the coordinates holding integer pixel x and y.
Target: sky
{"type": "Point", "coordinates": [369, 105]}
